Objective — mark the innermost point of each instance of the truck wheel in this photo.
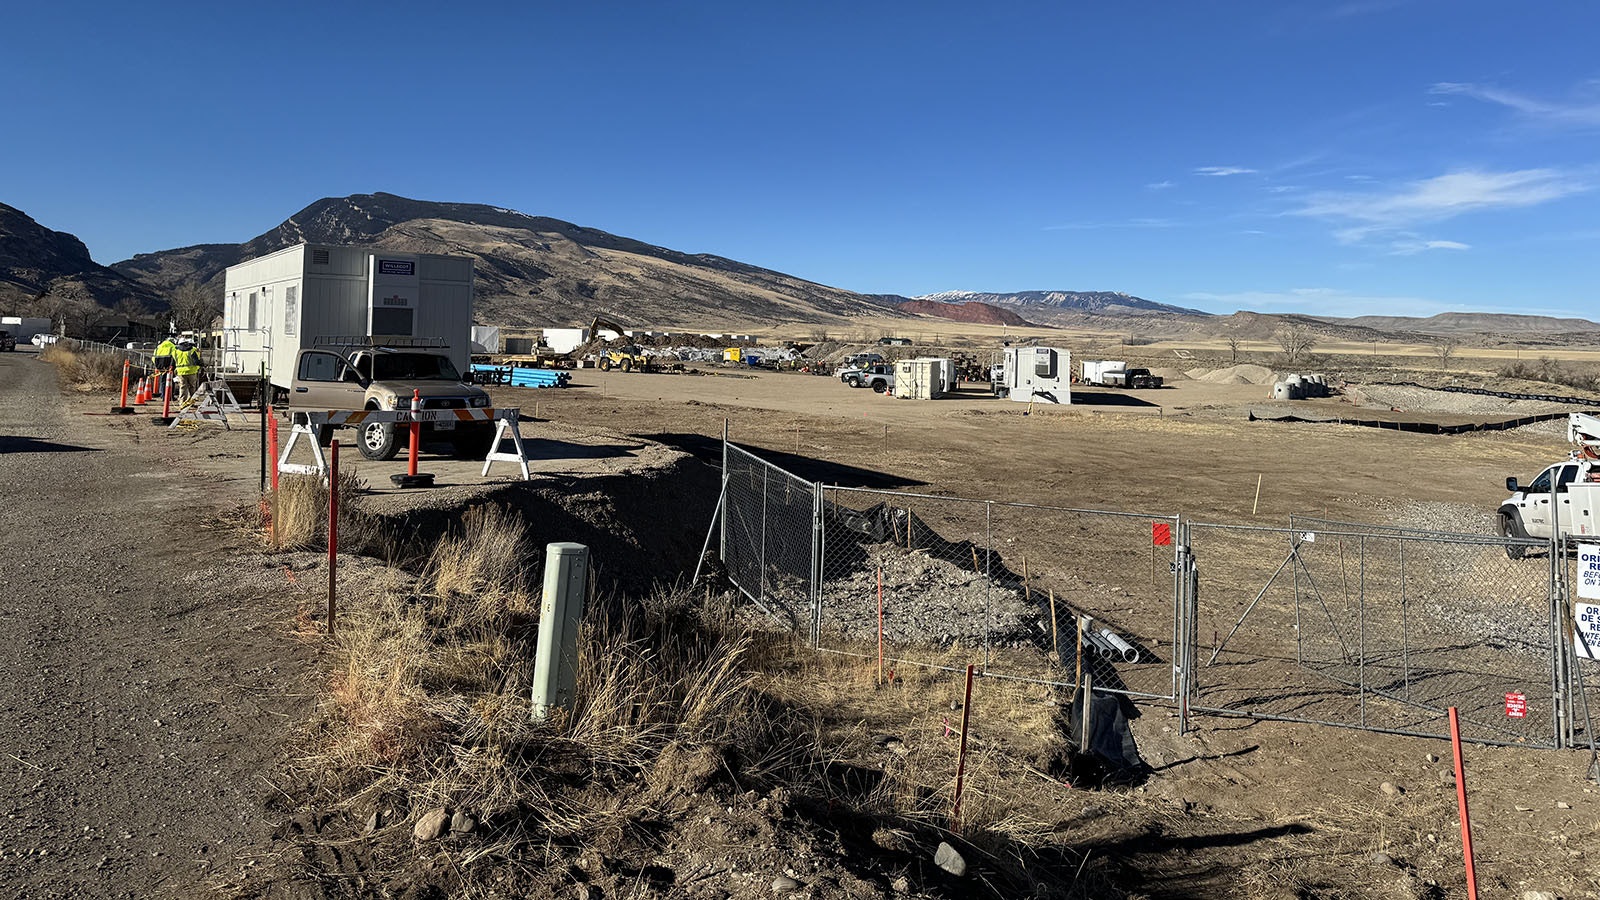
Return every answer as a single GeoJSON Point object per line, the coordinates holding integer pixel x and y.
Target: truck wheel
{"type": "Point", "coordinates": [379, 441]}
{"type": "Point", "coordinates": [879, 387]}
{"type": "Point", "coordinates": [1508, 527]}
{"type": "Point", "coordinates": [605, 364]}
{"type": "Point", "coordinates": [473, 443]}
{"type": "Point", "coordinates": [627, 365]}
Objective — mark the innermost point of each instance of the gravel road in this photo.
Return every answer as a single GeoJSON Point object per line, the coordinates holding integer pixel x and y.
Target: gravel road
{"type": "Point", "coordinates": [146, 690]}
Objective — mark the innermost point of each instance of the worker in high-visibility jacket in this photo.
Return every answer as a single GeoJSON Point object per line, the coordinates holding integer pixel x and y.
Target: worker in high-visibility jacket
{"type": "Point", "coordinates": [163, 362]}
{"type": "Point", "coordinates": [186, 362]}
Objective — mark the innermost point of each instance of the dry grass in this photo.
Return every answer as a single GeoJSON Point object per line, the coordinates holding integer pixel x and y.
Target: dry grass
{"type": "Point", "coordinates": [430, 705]}
{"type": "Point", "coordinates": [302, 517]}
{"type": "Point", "coordinates": [86, 371]}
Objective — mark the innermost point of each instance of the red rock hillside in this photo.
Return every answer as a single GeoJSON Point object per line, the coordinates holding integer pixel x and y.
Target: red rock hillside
{"type": "Point", "coordinates": [976, 313]}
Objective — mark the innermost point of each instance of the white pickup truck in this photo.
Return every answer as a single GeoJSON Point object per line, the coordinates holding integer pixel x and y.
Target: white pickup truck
{"type": "Point", "coordinates": [1564, 499]}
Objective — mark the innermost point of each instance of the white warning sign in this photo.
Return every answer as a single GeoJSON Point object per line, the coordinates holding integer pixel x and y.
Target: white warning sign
{"type": "Point", "coordinates": [1589, 571]}
{"type": "Point", "coordinates": [1586, 630]}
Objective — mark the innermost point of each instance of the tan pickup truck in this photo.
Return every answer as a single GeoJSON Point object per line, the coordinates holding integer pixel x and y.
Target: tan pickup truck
{"type": "Point", "coordinates": [384, 378]}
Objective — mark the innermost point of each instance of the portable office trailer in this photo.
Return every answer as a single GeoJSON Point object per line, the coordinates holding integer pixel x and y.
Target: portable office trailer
{"type": "Point", "coordinates": [308, 294]}
{"type": "Point", "coordinates": [1042, 374]}
{"type": "Point", "coordinates": [24, 328]}
{"type": "Point", "coordinates": [918, 379]}
{"type": "Point", "coordinates": [1104, 371]}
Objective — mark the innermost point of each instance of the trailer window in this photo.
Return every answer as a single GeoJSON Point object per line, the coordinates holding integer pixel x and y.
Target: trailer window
{"type": "Point", "coordinates": [250, 315]}
{"type": "Point", "coordinates": [392, 321]}
{"type": "Point", "coordinates": [291, 308]}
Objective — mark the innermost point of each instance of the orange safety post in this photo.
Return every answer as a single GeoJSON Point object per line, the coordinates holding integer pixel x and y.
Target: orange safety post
{"type": "Point", "coordinates": [166, 403]}
{"type": "Point", "coordinates": [412, 478]}
{"type": "Point", "coordinates": [272, 446]}
{"type": "Point", "coordinates": [122, 408]}
{"type": "Point", "coordinates": [1461, 801]}
{"type": "Point", "coordinates": [333, 533]}
{"type": "Point", "coordinates": [416, 432]}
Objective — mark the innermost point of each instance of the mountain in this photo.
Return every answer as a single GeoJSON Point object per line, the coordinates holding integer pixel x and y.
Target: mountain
{"type": "Point", "coordinates": [1054, 306]}
{"type": "Point", "coordinates": [977, 313]}
{"type": "Point", "coordinates": [533, 270]}
{"type": "Point", "coordinates": [38, 265]}
{"type": "Point", "coordinates": [1461, 323]}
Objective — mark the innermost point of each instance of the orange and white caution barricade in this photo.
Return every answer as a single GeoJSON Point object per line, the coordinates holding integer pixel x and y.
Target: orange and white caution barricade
{"type": "Point", "coordinates": [307, 424]}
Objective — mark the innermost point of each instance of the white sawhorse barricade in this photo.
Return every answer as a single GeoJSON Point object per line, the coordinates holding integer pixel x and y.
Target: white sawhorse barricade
{"type": "Point", "coordinates": [212, 402]}
{"type": "Point", "coordinates": [308, 423]}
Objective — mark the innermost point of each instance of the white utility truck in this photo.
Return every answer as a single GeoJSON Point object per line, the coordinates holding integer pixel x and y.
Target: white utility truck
{"type": "Point", "coordinates": [1042, 374]}
{"type": "Point", "coordinates": [1564, 499]}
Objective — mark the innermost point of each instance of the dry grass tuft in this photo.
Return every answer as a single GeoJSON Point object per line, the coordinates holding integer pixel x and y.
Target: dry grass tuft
{"type": "Point", "coordinates": [86, 371]}
{"type": "Point", "coordinates": [302, 516]}
{"type": "Point", "coordinates": [484, 565]}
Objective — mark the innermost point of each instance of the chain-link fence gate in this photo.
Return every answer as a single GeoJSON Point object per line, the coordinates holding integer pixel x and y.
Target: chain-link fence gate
{"type": "Point", "coordinates": [1361, 626]}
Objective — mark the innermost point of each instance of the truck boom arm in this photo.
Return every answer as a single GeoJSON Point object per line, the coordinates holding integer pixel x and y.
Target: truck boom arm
{"type": "Point", "coordinates": [1583, 430]}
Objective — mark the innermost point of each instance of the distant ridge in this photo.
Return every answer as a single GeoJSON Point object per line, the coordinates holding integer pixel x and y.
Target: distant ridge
{"type": "Point", "coordinates": [535, 270]}
{"type": "Point", "coordinates": [1055, 305]}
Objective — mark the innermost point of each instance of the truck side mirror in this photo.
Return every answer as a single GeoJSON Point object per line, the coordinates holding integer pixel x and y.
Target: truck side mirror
{"type": "Point", "coordinates": [1511, 484]}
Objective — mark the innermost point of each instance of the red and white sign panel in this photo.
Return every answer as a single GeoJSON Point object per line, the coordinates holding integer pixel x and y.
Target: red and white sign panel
{"type": "Point", "coordinates": [1516, 705]}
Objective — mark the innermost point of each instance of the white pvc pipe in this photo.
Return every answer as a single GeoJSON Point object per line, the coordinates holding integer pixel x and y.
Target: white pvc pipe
{"type": "Point", "coordinates": [1122, 647]}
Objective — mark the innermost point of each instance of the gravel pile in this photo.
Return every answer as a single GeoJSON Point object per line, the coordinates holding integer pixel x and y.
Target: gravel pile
{"type": "Point", "coordinates": [926, 601]}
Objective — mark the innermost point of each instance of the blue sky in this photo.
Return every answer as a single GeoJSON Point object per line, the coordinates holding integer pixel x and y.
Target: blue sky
{"type": "Point", "coordinates": [1366, 156]}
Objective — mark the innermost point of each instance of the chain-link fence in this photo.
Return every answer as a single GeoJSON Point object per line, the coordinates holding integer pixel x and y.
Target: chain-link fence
{"type": "Point", "coordinates": [1377, 628]}
{"type": "Point", "coordinates": [1364, 626]}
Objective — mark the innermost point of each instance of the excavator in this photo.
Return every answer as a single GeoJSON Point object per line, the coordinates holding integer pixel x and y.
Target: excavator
{"type": "Point", "coordinates": [627, 357]}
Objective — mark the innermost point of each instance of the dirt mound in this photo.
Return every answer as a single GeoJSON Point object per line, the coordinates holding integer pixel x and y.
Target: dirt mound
{"type": "Point", "coordinates": [1244, 373]}
{"type": "Point", "coordinates": [1171, 374]}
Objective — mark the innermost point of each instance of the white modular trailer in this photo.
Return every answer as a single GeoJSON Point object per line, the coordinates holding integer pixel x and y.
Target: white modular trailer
{"type": "Point", "coordinates": [919, 379]}
{"type": "Point", "coordinates": [486, 339]}
{"type": "Point", "coordinates": [301, 296]}
{"type": "Point", "coordinates": [1105, 371]}
{"type": "Point", "coordinates": [24, 328]}
{"type": "Point", "coordinates": [565, 340]}
{"type": "Point", "coordinates": [1042, 374]}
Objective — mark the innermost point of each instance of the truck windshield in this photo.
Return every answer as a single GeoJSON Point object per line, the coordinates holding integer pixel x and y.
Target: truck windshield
{"type": "Point", "coordinates": [413, 367]}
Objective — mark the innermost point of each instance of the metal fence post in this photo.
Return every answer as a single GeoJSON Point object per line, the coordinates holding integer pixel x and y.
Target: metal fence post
{"type": "Point", "coordinates": [766, 479]}
{"type": "Point", "coordinates": [818, 543]}
{"type": "Point", "coordinates": [1361, 640]}
{"type": "Point", "coordinates": [988, 580]}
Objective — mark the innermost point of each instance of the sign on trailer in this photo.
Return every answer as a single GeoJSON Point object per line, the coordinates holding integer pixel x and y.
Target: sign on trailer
{"type": "Point", "coordinates": [1589, 571]}
{"type": "Point", "coordinates": [1516, 705]}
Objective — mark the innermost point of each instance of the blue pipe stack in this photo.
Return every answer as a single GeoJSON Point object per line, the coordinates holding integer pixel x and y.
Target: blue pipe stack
{"type": "Point", "coordinates": [519, 376]}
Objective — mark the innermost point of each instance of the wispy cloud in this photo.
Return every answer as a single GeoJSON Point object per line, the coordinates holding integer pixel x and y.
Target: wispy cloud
{"type": "Point", "coordinates": [1158, 185]}
{"type": "Point", "coordinates": [1221, 171]}
{"type": "Point", "coordinates": [1413, 246]}
{"type": "Point", "coordinates": [1281, 188]}
{"type": "Point", "coordinates": [1128, 223]}
{"type": "Point", "coordinates": [1439, 198]}
{"type": "Point", "coordinates": [1583, 113]}
{"type": "Point", "coordinates": [1320, 301]}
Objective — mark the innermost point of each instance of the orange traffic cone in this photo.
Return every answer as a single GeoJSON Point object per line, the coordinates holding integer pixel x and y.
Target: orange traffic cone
{"type": "Point", "coordinates": [138, 393]}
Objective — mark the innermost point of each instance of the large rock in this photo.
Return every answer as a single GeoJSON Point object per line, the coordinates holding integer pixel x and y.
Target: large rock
{"type": "Point", "coordinates": [432, 825]}
{"type": "Point", "coordinates": [949, 860]}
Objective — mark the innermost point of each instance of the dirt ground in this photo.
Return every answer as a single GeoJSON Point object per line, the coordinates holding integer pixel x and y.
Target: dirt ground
{"type": "Point", "coordinates": [1238, 808]}
{"type": "Point", "coordinates": [1258, 803]}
